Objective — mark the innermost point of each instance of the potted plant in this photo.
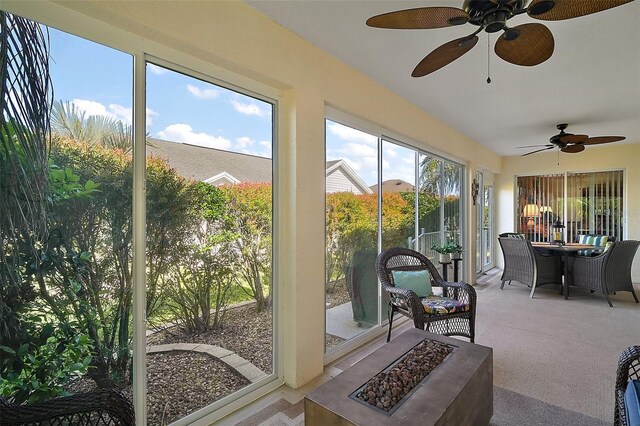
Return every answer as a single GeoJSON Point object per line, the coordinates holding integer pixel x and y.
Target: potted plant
{"type": "Point", "coordinates": [444, 250]}
{"type": "Point", "coordinates": [457, 253]}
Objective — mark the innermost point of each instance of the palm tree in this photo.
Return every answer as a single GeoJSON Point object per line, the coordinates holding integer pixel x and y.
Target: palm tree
{"type": "Point", "coordinates": [431, 177]}
{"type": "Point", "coordinates": [25, 102]}
{"type": "Point", "coordinates": [68, 120]}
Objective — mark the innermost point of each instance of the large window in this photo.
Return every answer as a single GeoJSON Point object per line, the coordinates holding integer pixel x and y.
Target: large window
{"type": "Point", "coordinates": [70, 258]}
{"type": "Point", "coordinates": [593, 204]}
{"type": "Point", "coordinates": [351, 233]}
{"type": "Point", "coordinates": [380, 193]}
{"type": "Point", "coordinates": [66, 240]}
{"type": "Point", "coordinates": [209, 243]}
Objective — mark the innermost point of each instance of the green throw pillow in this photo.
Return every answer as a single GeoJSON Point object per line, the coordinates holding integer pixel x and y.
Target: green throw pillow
{"type": "Point", "coordinates": [418, 281]}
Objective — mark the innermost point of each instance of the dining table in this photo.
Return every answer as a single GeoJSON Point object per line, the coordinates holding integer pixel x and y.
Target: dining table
{"type": "Point", "coordinates": [566, 250]}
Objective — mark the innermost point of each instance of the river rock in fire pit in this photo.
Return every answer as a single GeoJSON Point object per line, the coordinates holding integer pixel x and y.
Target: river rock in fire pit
{"type": "Point", "coordinates": [388, 387]}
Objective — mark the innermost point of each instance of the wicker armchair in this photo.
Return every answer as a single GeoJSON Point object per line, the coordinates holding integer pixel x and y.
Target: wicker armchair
{"type": "Point", "coordinates": [628, 369]}
{"type": "Point", "coordinates": [606, 273]}
{"type": "Point", "coordinates": [99, 407]}
{"type": "Point", "coordinates": [407, 303]}
{"type": "Point", "coordinates": [524, 264]}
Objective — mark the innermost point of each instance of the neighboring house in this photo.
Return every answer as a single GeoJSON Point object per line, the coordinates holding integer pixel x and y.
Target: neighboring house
{"type": "Point", "coordinates": [219, 167]}
{"type": "Point", "coordinates": [342, 178]}
{"type": "Point", "coordinates": [394, 185]}
{"type": "Point", "coordinates": [214, 166]}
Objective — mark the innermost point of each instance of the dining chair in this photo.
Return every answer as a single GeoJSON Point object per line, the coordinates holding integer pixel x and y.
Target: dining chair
{"type": "Point", "coordinates": [524, 264]}
{"type": "Point", "coordinates": [606, 273]}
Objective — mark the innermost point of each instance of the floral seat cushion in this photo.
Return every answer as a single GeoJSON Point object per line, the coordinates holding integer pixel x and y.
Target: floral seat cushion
{"type": "Point", "coordinates": [443, 305]}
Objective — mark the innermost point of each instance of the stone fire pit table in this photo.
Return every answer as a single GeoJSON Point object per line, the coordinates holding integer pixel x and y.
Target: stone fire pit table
{"type": "Point", "coordinates": [459, 391]}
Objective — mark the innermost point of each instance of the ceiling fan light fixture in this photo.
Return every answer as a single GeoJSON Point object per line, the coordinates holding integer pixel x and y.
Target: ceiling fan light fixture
{"type": "Point", "coordinates": [526, 44]}
{"type": "Point", "coordinates": [541, 7]}
{"type": "Point", "coordinates": [495, 22]}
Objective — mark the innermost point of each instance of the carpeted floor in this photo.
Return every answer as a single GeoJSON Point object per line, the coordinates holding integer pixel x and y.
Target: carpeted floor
{"type": "Point", "coordinates": [528, 412]}
{"type": "Point", "coordinates": [511, 408]}
{"type": "Point", "coordinates": [554, 360]}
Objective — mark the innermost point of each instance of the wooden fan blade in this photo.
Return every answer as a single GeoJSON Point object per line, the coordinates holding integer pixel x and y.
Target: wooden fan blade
{"type": "Point", "coordinates": [549, 10]}
{"type": "Point", "coordinates": [603, 139]}
{"type": "Point", "coordinates": [543, 149]}
{"type": "Point", "coordinates": [573, 149]}
{"type": "Point", "coordinates": [534, 146]}
{"type": "Point", "coordinates": [420, 18]}
{"type": "Point", "coordinates": [573, 138]}
{"type": "Point", "coordinates": [526, 44]}
{"type": "Point", "coordinates": [444, 55]}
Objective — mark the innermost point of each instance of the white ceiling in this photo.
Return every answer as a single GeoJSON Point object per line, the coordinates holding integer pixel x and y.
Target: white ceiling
{"type": "Point", "coordinates": [592, 81]}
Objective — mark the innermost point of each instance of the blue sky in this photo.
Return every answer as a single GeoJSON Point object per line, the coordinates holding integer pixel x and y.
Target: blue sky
{"type": "Point", "coordinates": [360, 150]}
{"type": "Point", "coordinates": [99, 81]}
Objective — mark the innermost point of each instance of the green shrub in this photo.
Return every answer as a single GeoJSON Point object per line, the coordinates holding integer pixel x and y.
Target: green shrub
{"type": "Point", "coordinates": [42, 368]}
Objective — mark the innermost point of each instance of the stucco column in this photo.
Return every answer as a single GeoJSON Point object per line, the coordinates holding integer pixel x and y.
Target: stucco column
{"type": "Point", "coordinates": [303, 253]}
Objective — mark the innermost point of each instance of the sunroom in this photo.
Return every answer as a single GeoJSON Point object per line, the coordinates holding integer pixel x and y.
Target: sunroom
{"type": "Point", "coordinates": [227, 222]}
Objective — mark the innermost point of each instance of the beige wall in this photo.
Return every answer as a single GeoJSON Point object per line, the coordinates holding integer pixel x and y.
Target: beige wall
{"type": "Point", "coordinates": [232, 41]}
{"type": "Point", "coordinates": [594, 158]}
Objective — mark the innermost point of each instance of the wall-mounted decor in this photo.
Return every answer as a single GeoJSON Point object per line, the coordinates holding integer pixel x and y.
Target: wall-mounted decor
{"type": "Point", "coordinates": [474, 190]}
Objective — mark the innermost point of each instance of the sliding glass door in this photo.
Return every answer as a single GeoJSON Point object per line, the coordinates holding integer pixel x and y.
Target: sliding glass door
{"type": "Point", "coordinates": [440, 206]}
{"type": "Point", "coordinates": [351, 199]}
{"type": "Point", "coordinates": [487, 227]}
{"type": "Point", "coordinates": [484, 225]}
{"type": "Point", "coordinates": [380, 193]}
{"type": "Point", "coordinates": [593, 204]}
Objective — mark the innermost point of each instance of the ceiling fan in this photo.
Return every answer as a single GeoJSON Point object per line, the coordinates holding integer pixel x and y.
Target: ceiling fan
{"type": "Point", "coordinates": [527, 44]}
{"type": "Point", "coordinates": [570, 143]}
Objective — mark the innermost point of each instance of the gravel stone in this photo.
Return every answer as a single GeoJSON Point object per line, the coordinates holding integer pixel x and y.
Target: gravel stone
{"type": "Point", "coordinates": [387, 388]}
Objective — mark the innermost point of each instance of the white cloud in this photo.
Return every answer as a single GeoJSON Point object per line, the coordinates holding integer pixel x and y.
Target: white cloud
{"type": "Point", "coordinates": [398, 163]}
{"type": "Point", "coordinates": [249, 108]}
{"type": "Point", "coordinates": [245, 142]}
{"type": "Point", "coordinates": [352, 135]}
{"type": "Point", "coordinates": [247, 145]}
{"type": "Point", "coordinates": [185, 134]}
{"type": "Point", "coordinates": [359, 150]}
{"type": "Point", "coordinates": [150, 114]}
{"type": "Point", "coordinates": [114, 111]}
{"type": "Point", "coordinates": [388, 152]}
{"type": "Point", "coordinates": [122, 113]}
{"type": "Point", "coordinates": [202, 93]}
{"type": "Point", "coordinates": [265, 150]}
{"type": "Point", "coordinates": [96, 108]}
{"type": "Point", "coordinates": [156, 69]}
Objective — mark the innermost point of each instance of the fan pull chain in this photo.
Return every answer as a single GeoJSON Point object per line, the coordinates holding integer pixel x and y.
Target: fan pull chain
{"type": "Point", "coordinates": [558, 157]}
{"type": "Point", "coordinates": [488, 61]}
